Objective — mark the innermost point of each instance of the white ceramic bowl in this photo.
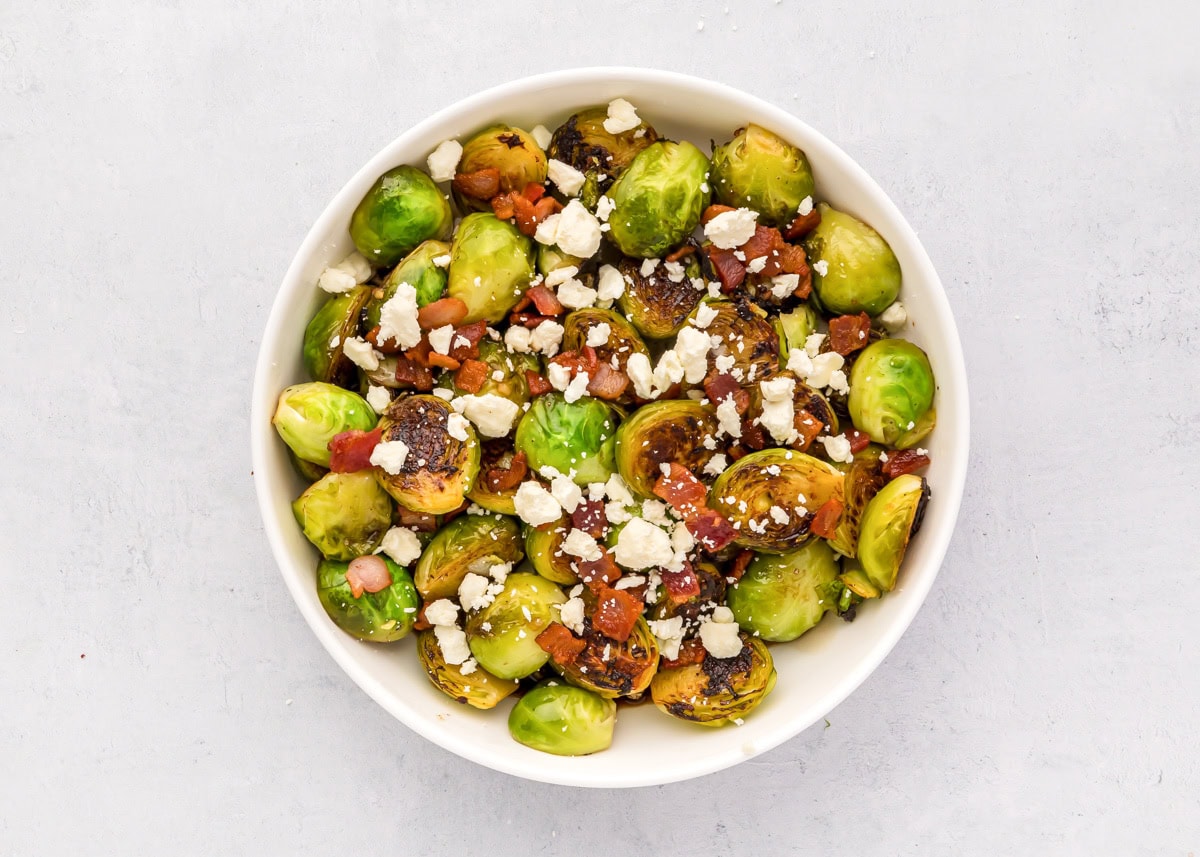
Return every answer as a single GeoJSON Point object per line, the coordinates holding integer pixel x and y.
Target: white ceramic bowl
{"type": "Point", "coordinates": [817, 671]}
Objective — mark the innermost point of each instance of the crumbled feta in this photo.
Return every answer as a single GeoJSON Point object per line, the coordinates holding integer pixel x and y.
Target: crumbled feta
{"type": "Point", "coordinates": [361, 353]}
{"type": "Point", "coordinates": [493, 415]}
{"type": "Point", "coordinates": [398, 318]}
{"type": "Point", "coordinates": [812, 344]}
{"type": "Point", "coordinates": [568, 179]}
{"type": "Point", "coordinates": [598, 334]}
{"type": "Point", "coordinates": [453, 643]}
{"type": "Point", "coordinates": [558, 375]}
{"type": "Point", "coordinates": [729, 421]}
{"type": "Point", "coordinates": [560, 275]}
{"type": "Point", "coordinates": [440, 337]}
{"type": "Point", "coordinates": [575, 295]}
{"type": "Point", "coordinates": [692, 347]}
{"type": "Point", "coordinates": [616, 513]}
{"type": "Point", "coordinates": [401, 544]}
{"type": "Point", "coordinates": [610, 285]}
{"type": "Point", "coordinates": [637, 367]}
{"type": "Point", "coordinates": [682, 539]}
{"type": "Point", "coordinates": [783, 285]}
{"type": "Point", "coordinates": [541, 135]}
{"type": "Point", "coordinates": [731, 229]}
{"type": "Point", "coordinates": [806, 206]}
{"type": "Point", "coordinates": [622, 117]}
{"type": "Point", "coordinates": [779, 515]}
{"type": "Point", "coordinates": [566, 492]}
{"type": "Point", "coordinates": [655, 511]}
{"type": "Point", "coordinates": [604, 207]}
{"type": "Point", "coordinates": [535, 505]}
{"type": "Point", "coordinates": [668, 372]}
{"type": "Point", "coordinates": [335, 281]}
{"type": "Point", "coordinates": [443, 612]}
{"type": "Point", "coordinates": [546, 338]}
{"type": "Point", "coordinates": [643, 545]}
{"type": "Point", "coordinates": [443, 161]}
{"type": "Point", "coordinates": [458, 427]}
{"type": "Point", "coordinates": [719, 634]}
{"type": "Point", "coordinates": [577, 231]}
{"type": "Point", "coordinates": [823, 367]}
{"type": "Point", "coordinates": [705, 315]}
{"type": "Point", "coordinates": [473, 592]}
{"type": "Point", "coordinates": [442, 261]}
{"type": "Point", "coordinates": [580, 544]}
{"type": "Point", "coordinates": [518, 338]}
{"type": "Point", "coordinates": [648, 266]}
{"type": "Point", "coordinates": [547, 231]}
{"type": "Point", "coordinates": [716, 465]}
{"type": "Point", "coordinates": [443, 393]}
{"type": "Point", "coordinates": [378, 398]}
{"type": "Point", "coordinates": [821, 267]}
{"type": "Point", "coordinates": [669, 634]}
{"type": "Point", "coordinates": [675, 271]}
{"type": "Point", "coordinates": [390, 455]}
{"type": "Point", "coordinates": [837, 448]}
{"type": "Point", "coordinates": [616, 489]}
{"type": "Point", "coordinates": [838, 382]}
{"type": "Point", "coordinates": [571, 614]}
{"type": "Point", "coordinates": [778, 409]}
{"type": "Point", "coordinates": [756, 264]}
{"type": "Point", "coordinates": [577, 389]}
{"type": "Point", "coordinates": [894, 317]}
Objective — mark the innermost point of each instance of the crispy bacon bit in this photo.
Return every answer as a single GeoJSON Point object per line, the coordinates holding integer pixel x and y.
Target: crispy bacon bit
{"type": "Point", "coordinates": [527, 319]}
{"type": "Point", "coordinates": [481, 184]}
{"type": "Point", "coordinates": [738, 568]}
{"type": "Point", "coordinates": [607, 383]}
{"type": "Point", "coordinates": [422, 624]}
{"type": "Point", "coordinates": [761, 243]}
{"type": "Point", "coordinates": [719, 386]}
{"type": "Point", "coordinates": [686, 494]}
{"type": "Point", "coordinates": [753, 437]}
{"type": "Point", "coordinates": [589, 516]}
{"type": "Point", "coordinates": [538, 385]}
{"type": "Point", "coordinates": [824, 523]}
{"type": "Point", "coordinates": [802, 225]}
{"type": "Point", "coordinates": [598, 573]}
{"type": "Point", "coordinates": [410, 374]}
{"type": "Point", "coordinates": [368, 574]}
{"type": "Point", "coordinates": [465, 343]}
{"type": "Point", "coordinates": [848, 333]}
{"type": "Point", "coordinates": [523, 211]}
{"type": "Point", "coordinates": [422, 522]}
{"type": "Point", "coordinates": [730, 271]}
{"type": "Point", "coordinates": [441, 312]}
{"type": "Point", "coordinates": [534, 191]}
{"type": "Point", "coordinates": [713, 210]}
{"type": "Point", "coordinates": [503, 208]}
{"type": "Point", "coordinates": [616, 613]}
{"type": "Point", "coordinates": [545, 207]}
{"type": "Point", "coordinates": [562, 646]}
{"type": "Point", "coordinates": [691, 653]}
{"type": "Point", "coordinates": [680, 252]}
{"type": "Point", "coordinates": [443, 361]}
{"type": "Point", "coordinates": [793, 260]}
{"type": "Point", "coordinates": [737, 451]}
{"type": "Point", "coordinates": [500, 479]}
{"type": "Point", "coordinates": [351, 450]}
{"type": "Point", "coordinates": [904, 461]}
{"type": "Point", "coordinates": [712, 530]}
{"type": "Point", "coordinates": [472, 375]}
{"type": "Point", "coordinates": [584, 360]}
{"type": "Point", "coordinates": [858, 440]}
{"type": "Point", "coordinates": [681, 585]}
{"type": "Point", "coordinates": [808, 427]}
{"type": "Point", "coordinates": [420, 352]}
{"type": "Point", "coordinates": [391, 346]}
{"type": "Point", "coordinates": [545, 300]}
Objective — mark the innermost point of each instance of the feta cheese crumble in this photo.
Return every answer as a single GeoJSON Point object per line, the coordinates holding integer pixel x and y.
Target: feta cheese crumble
{"type": "Point", "coordinates": [458, 427]}
{"type": "Point", "coordinates": [837, 448]}
{"type": "Point", "coordinates": [580, 544]}
{"type": "Point", "coordinates": [576, 230]}
{"type": "Point", "coordinates": [440, 337]}
{"type": "Point", "coordinates": [622, 117]}
{"type": "Point", "coordinates": [731, 229]}
{"type": "Point", "coordinates": [610, 285]}
{"type": "Point", "coordinates": [360, 353]}
{"type": "Point", "coordinates": [643, 545]}
{"type": "Point", "coordinates": [778, 410]}
{"type": "Point", "coordinates": [443, 161]}
{"type": "Point", "coordinates": [535, 505]}
{"type": "Point", "coordinates": [821, 267]}
{"type": "Point", "coordinates": [401, 544]}
{"type": "Point", "coordinates": [668, 633]}
{"type": "Point", "coordinates": [541, 135]}
{"type": "Point", "coordinates": [378, 398]}
{"type": "Point", "coordinates": [398, 318]}
{"type": "Point", "coordinates": [894, 317]}
{"type": "Point", "coordinates": [565, 177]}
{"type": "Point", "coordinates": [493, 415]}
{"type": "Point", "coordinates": [720, 634]}
{"type": "Point", "coordinates": [598, 334]}
{"type": "Point", "coordinates": [390, 455]}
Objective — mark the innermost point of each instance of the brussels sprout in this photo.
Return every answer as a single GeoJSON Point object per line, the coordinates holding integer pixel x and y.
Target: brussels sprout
{"type": "Point", "coordinates": [864, 478]}
{"type": "Point", "coordinates": [344, 514]}
{"type": "Point", "coordinates": [513, 384]}
{"type": "Point", "coordinates": [718, 690]}
{"type": "Point", "coordinates": [439, 470]}
{"type": "Point", "coordinates": [793, 328]}
{"type": "Point", "coordinates": [856, 581]}
{"type": "Point", "coordinates": [496, 453]}
{"type": "Point", "coordinates": [479, 689]}
{"type": "Point", "coordinates": [658, 199]}
{"type": "Point", "coordinates": [309, 415]}
{"type": "Point", "coordinates": [544, 551]}
{"type": "Point", "coordinates": [612, 668]}
{"type": "Point", "coordinates": [579, 436]}
{"type": "Point", "coordinates": [778, 597]}
{"type": "Point", "coordinates": [623, 339]}
{"type": "Point", "coordinates": [377, 617]}
{"type": "Point", "coordinates": [503, 635]}
{"type": "Point", "coordinates": [469, 543]}
{"type": "Point", "coordinates": [335, 322]}
{"type": "Point", "coordinates": [760, 170]}
{"type": "Point", "coordinates": [403, 208]}
{"type": "Point", "coordinates": [583, 142]}
{"type": "Point", "coordinates": [511, 151]}
{"type": "Point", "coordinates": [566, 721]}
{"type": "Point", "coordinates": [891, 393]}
{"type": "Point", "coordinates": [419, 271]}
{"type": "Point", "coordinates": [712, 591]}
{"type": "Point", "coordinates": [863, 274]}
{"type": "Point", "coordinates": [491, 265]}
{"type": "Point", "coordinates": [797, 484]}
{"type": "Point", "coordinates": [843, 597]}
{"type": "Point", "coordinates": [747, 337]}
{"type": "Point", "coordinates": [308, 471]}
{"type": "Point", "coordinates": [891, 518]}
{"type": "Point", "coordinates": [656, 305]}
{"type": "Point", "coordinates": [550, 258]}
{"type": "Point", "coordinates": [660, 433]}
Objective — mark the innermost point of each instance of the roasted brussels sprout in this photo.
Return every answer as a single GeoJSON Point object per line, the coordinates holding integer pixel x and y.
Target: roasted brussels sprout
{"type": "Point", "coordinates": [862, 274]}
{"type": "Point", "coordinates": [491, 265]}
{"type": "Point", "coordinates": [403, 208]}
{"type": "Point", "coordinates": [308, 471]}
{"type": "Point", "coordinates": [659, 198]}
{"type": "Point", "coordinates": [377, 617]}
{"type": "Point", "coordinates": [309, 415]}
{"type": "Point", "coordinates": [778, 598]}
{"type": "Point", "coordinates": [567, 721]}
{"type": "Point", "coordinates": [335, 322]}
{"type": "Point", "coordinates": [712, 591]}
{"type": "Point", "coordinates": [856, 581]}
{"type": "Point", "coordinates": [550, 258]}
{"type": "Point", "coordinates": [479, 689]}
{"type": "Point", "coordinates": [891, 518]}
{"type": "Point", "coordinates": [417, 269]}
{"type": "Point", "coordinates": [495, 453]}
{"type": "Point", "coordinates": [750, 491]}
{"type": "Point", "coordinates": [891, 393]}
{"type": "Point", "coordinates": [438, 470]}
{"type": "Point", "coordinates": [758, 169]}
{"type": "Point", "coordinates": [512, 152]}
{"type": "Point", "coordinates": [718, 690]}
{"type": "Point", "coordinates": [622, 342]}
{"type": "Point", "coordinates": [747, 337]}
{"type": "Point", "coordinates": [577, 436]}
{"type": "Point", "coordinates": [503, 635]}
{"type": "Point", "coordinates": [655, 304]}
{"type": "Point", "coordinates": [793, 328]}
{"type": "Point", "coordinates": [469, 543]}
{"type": "Point", "coordinates": [612, 668]}
{"type": "Point", "coordinates": [512, 384]}
{"type": "Point", "coordinates": [583, 142]}
{"type": "Point", "coordinates": [660, 433]}
{"type": "Point", "coordinates": [864, 477]}
{"type": "Point", "coordinates": [344, 514]}
{"type": "Point", "coordinates": [543, 548]}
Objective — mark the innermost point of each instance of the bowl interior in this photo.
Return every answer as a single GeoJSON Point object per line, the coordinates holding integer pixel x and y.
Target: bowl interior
{"type": "Point", "coordinates": [817, 671]}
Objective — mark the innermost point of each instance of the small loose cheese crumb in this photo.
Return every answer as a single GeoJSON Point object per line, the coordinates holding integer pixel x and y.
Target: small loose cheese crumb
{"type": "Point", "coordinates": [541, 135]}
{"type": "Point", "coordinates": [577, 389]}
{"type": "Point", "coordinates": [443, 612]}
{"type": "Point", "coordinates": [756, 264]}
{"type": "Point", "coordinates": [617, 490]}
{"type": "Point", "coordinates": [823, 367]}
{"type": "Point", "coordinates": [778, 409]}
{"type": "Point", "coordinates": [648, 266]}
{"type": "Point", "coordinates": [458, 427]}
{"type": "Point", "coordinates": [610, 285]}
{"type": "Point", "coordinates": [439, 338]}
{"type": "Point", "coordinates": [571, 614]}
{"type": "Point", "coordinates": [566, 492]}
{"type": "Point", "coordinates": [598, 334]}
{"type": "Point", "coordinates": [443, 161]}
{"type": "Point", "coordinates": [675, 271]}
{"type": "Point", "coordinates": [518, 338]}
{"type": "Point", "coordinates": [812, 344]}
{"type": "Point", "coordinates": [546, 338]}
{"type": "Point", "coordinates": [731, 229]}
{"type": "Point", "coordinates": [604, 207]}
{"type": "Point", "coordinates": [837, 448]}
{"type": "Point", "coordinates": [565, 177]}
{"type": "Point", "coordinates": [453, 643]}
{"type": "Point", "coordinates": [669, 633]}
{"type": "Point", "coordinates": [783, 285]}
{"type": "Point", "coordinates": [705, 315]}
{"type": "Point", "coordinates": [335, 281]}
{"type": "Point", "coordinates": [637, 367]}
{"type": "Point", "coordinates": [806, 206]}
{"type": "Point", "coordinates": [622, 117]}
{"type": "Point", "coordinates": [558, 375]}
{"type": "Point", "coordinates": [560, 275]}
{"type": "Point", "coordinates": [535, 505]}
{"type": "Point", "coordinates": [692, 346]}
{"type": "Point", "coordinates": [729, 421]}
{"type": "Point", "coordinates": [577, 232]}
{"type": "Point", "coordinates": [668, 372]}
{"type": "Point", "coordinates": [390, 455]}
{"type": "Point", "coordinates": [547, 231]}
{"type": "Point", "coordinates": [643, 545]}
{"type": "Point", "coordinates": [580, 544]}
{"type": "Point", "coordinates": [378, 398]}
{"type": "Point", "coordinates": [720, 634]}
{"type": "Point", "coordinates": [401, 544]}
{"type": "Point", "coordinates": [473, 592]}
{"type": "Point", "coordinates": [493, 415]}
{"type": "Point", "coordinates": [821, 267]}
{"type": "Point", "coordinates": [360, 353]}
{"type": "Point", "coordinates": [716, 465]}
{"type": "Point", "coordinates": [894, 317]}
{"type": "Point", "coordinates": [442, 261]}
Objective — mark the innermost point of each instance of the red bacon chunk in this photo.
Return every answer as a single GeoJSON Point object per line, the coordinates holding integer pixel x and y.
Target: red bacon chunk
{"type": "Point", "coordinates": [616, 613]}
{"type": "Point", "coordinates": [824, 523]}
{"type": "Point", "coordinates": [691, 653]}
{"type": "Point", "coordinates": [719, 386]}
{"type": "Point", "coordinates": [589, 516]}
{"type": "Point", "coordinates": [682, 490]}
{"type": "Point", "coordinates": [712, 530]}
{"type": "Point", "coordinates": [904, 461]}
{"type": "Point", "coordinates": [351, 450]}
{"type": "Point", "coordinates": [729, 269]}
{"type": "Point", "coordinates": [546, 301]}
{"type": "Point", "coordinates": [681, 585]}
{"type": "Point", "coordinates": [848, 333]}
{"type": "Point", "coordinates": [562, 646]}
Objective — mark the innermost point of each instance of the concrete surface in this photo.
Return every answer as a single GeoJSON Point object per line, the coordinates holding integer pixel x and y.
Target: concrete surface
{"type": "Point", "coordinates": [160, 694]}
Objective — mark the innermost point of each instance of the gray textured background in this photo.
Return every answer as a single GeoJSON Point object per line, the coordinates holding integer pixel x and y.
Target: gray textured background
{"type": "Point", "coordinates": [159, 164]}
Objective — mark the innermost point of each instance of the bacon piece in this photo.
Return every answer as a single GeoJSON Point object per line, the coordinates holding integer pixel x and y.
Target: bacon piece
{"type": "Point", "coordinates": [441, 312]}
{"type": "Point", "coordinates": [691, 653]}
{"type": "Point", "coordinates": [454, 513]}
{"type": "Point", "coordinates": [480, 184]}
{"type": "Point", "coordinates": [465, 343]}
{"type": "Point", "coordinates": [762, 243]}
{"type": "Point", "coordinates": [524, 213]}
{"type": "Point", "coordinates": [904, 461]}
{"type": "Point", "coordinates": [368, 574]}
{"type": "Point", "coordinates": [824, 523]}
{"type": "Point", "coordinates": [562, 646]}
{"type": "Point", "coordinates": [422, 522]}
{"type": "Point", "coordinates": [681, 585]}
{"type": "Point", "coordinates": [607, 383]}
{"type": "Point", "coordinates": [420, 352]}
{"type": "Point", "coordinates": [738, 568]}
{"type": "Point", "coordinates": [391, 346]}
{"type": "Point", "coordinates": [802, 225]}
{"type": "Point", "coordinates": [471, 375]}
{"type": "Point", "coordinates": [686, 494]}
{"type": "Point", "coordinates": [538, 384]}
{"type": "Point", "coordinates": [616, 613]}
{"type": "Point", "coordinates": [534, 191]}
{"type": "Point", "coordinates": [713, 210]}
{"type": "Point", "coordinates": [753, 436]}
{"type": "Point", "coordinates": [410, 374]}
{"type": "Point", "coordinates": [598, 573]}
{"type": "Point", "coordinates": [545, 301]}
{"type": "Point", "coordinates": [584, 360]}
{"type": "Point", "coordinates": [730, 271]}
{"type": "Point", "coordinates": [503, 208]}
{"type": "Point", "coordinates": [500, 479]}
{"type": "Point", "coordinates": [527, 319]}
{"type": "Point", "coordinates": [545, 207]}
{"type": "Point", "coordinates": [443, 361]}
{"type": "Point", "coordinates": [858, 440]}
{"type": "Point", "coordinates": [793, 260]}
{"type": "Point", "coordinates": [421, 623]}
{"type": "Point", "coordinates": [808, 426]}
{"type": "Point", "coordinates": [351, 450]}
{"type": "Point", "coordinates": [720, 385]}
{"type": "Point", "coordinates": [712, 530]}
{"type": "Point", "coordinates": [848, 333]}
{"type": "Point", "coordinates": [589, 516]}
{"type": "Point", "coordinates": [680, 252]}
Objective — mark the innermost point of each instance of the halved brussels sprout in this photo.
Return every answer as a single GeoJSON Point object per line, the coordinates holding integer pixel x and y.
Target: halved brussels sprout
{"type": "Point", "coordinates": [344, 514]}
{"type": "Point", "coordinates": [863, 274]}
{"type": "Point", "coordinates": [611, 668]}
{"type": "Point", "coordinates": [310, 415]}
{"type": "Point", "coordinates": [496, 453]}
{"type": "Point", "coordinates": [511, 151]}
{"type": "Point", "coordinates": [419, 271]}
{"type": "Point", "coordinates": [550, 258]}
{"type": "Point", "coordinates": [491, 265]}
{"type": "Point", "coordinates": [439, 470]}
{"type": "Point", "coordinates": [660, 433]}
{"type": "Point", "coordinates": [758, 169]}
{"type": "Point", "coordinates": [857, 582]}
{"type": "Point", "coordinates": [544, 551]}
{"type": "Point", "coordinates": [512, 383]}
{"type": "Point", "coordinates": [657, 305]}
{"type": "Point", "coordinates": [623, 340]}
{"type": "Point", "coordinates": [659, 198]}
{"type": "Point", "coordinates": [377, 617]}
{"type": "Point", "coordinates": [779, 597]}
{"type": "Point", "coordinates": [795, 484]}
{"type": "Point", "coordinates": [712, 591]}
{"type": "Point", "coordinates": [566, 721]}
{"type": "Point", "coordinates": [747, 336]}
{"type": "Point", "coordinates": [308, 471]}
{"type": "Point", "coordinates": [578, 436]}
{"type": "Point", "coordinates": [891, 393]}
{"type": "Point", "coordinates": [891, 519]}
{"type": "Point", "coordinates": [335, 322]}
{"type": "Point", "coordinates": [503, 635]}
{"type": "Point", "coordinates": [403, 208]}
{"type": "Point", "coordinates": [864, 478]}
{"type": "Point", "coordinates": [718, 690]}
{"type": "Point", "coordinates": [583, 142]}
{"type": "Point", "coordinates": [793, 328]}
{"type": "Point", "coordinates": [469, 543]}
{"type": "Point", "coordinates": [478, 689]}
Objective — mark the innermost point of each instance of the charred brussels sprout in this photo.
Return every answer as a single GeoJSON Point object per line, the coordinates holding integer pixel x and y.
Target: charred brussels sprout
{"type": "Point", "coordinates": [344, 514]}
{"type": "Point", "coordinates": [623, 340]}
{"type": "Point", "coordinates": [579, 436]}
{"type": "Point", "coordinates": [510, 151]}
{"type": "Point", "coordinates": [418, 270]}
{"type": "Point", "coordinates": [660, 433]}
{"type": "Point", "coordinates": [335, 322]}
{"type": "Point", "coordinates": [310, 415]}
{"type": "Point", "coordinates": [752, 486]}
{"type": "Point", "coordinates": [468, 544]}
{"type": "Point", "coordinates": [712, 591]}
{"type": "Point", "coordinates": [491, 265]}
{"type": "Point", "coordinates": [503, 635]}
{"type": "Point", "coordinates": [863, 274]}
{"type": "Point", "coordinates": [758, 169]}
{"type": "Point", "coordinates": [478, 689]}
{"type": "Point", "coordinates": [779, 598]}
{"type": "Point", "coordinates": [497, 453]}
{"type": "Point", "coordinates": [564, 720]}
{"type": "Point", "coordinates": [583, 142]}
{"type": "Point", "coordinates": [403, 208]}
{"type": "Point", "coordinates": [655, 304]}
{"type": "Point", "coordinates": [377, 617]}
{"type": "Point", "coordinates": [891, 519]}
{"type": "Point", "coordinates": [718, 690]}
{"type": "Point", "coordinates": [659, 198]}
{"type": "Point", "coordinates": [545, 553]}
{"type": "Point", "coordinates": [612, 668]}
{"type": "Point", "coordinates": [891, 393]}
{"type": "Point", "coordinates": [793, 328]}
{"type": "Point", "coordinates": [512, 383]}
{"type": "Point", "coordinates": [438, 470]}
{"type": "Point", "coordinates": [864, 477]}
{"type": "Point", "coordinates": [747, 337]}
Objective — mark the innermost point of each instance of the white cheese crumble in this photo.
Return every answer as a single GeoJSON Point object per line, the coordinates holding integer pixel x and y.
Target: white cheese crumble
{"type": "Point", "coordinates": [731, 229]}
{"type": "Point", "coordinates": [837, 448]}
{"type": "Point", "coordinates": [566, 492]}
{"type": "Point", "coordinates": [473, 592]}
{"type": "Point", "coordinates": [610, 285]}
{"type": "Point", "coordinates": [716, 465]}
{"type": "Point", "coordinates": [576, 230]}
{"type": "Point", "coordinates": [675, 271]}
{"type": "Point", "coordinates": [565, 177]}
{"type": "Point", "coordinates": [560, 275]}
{"type": "Point", "coordinates": [692, 346]}
{"type": "Point", "coordinates": [493, 415]}
{"type": "Point", "coordinates": [756, 264]}
{"type": "Point", "coordinates": [580, 544]}
{"type": "Point", "coordinates": [398, 318]}
{"type": "Point", "coordinates": [518, 339]}
{"type": "Point", "coordinates": [390, 455]}
{"type": "Point", "coordinates": [598, 334]}
{"type": "Point", "coordinates": [604, 207]}
{"type": "Point", "coordinates": [443, 161]}
{"type": "Point", "coordinates": [547, 231]}
{"type": "Point", "coordinates": [458, 427]}
{"type": "Point", "coordinates": [617, 490]}
{"type": "Point", "coordinates": [571, 614]}
{"type": "Point", "coordinates": [729, 421]}
{"type": "Point", "coordinates": [655, 511]}
{"type": "Point", "coordinates": [821, 267]}
{"type": "Point", "coordinates": [345, 275]}
{"type": "Point", "coordinates": [648, 266]}
{"type": "Point", "coordinates": [442, 261]}
{"type": "Point", "coordinates": [453, 643]}
{"type": "Point", "coordinates": [778, 410]}
{"type": "Point", "coordinates": [378, 398]}
{"type": "Point", "coordinates": [668, 633]}
{"type": "Point", "coordinates": [705, 315]}
{"type": "Point", "coordinates": [575, 295]}
{"type": "Point", "coordinates": [783, 285]}
{"type": "Point", "coordinates": [558, 375]}
{"type": "Point", "coordinates": [401, 544]}
{"type": "Point", "coordinates": [546, 338]}
{"type": "Point", "coordinates": [442, 612]}
{"type": "Point", "coordinates": [720, 634]}
{"type": "Point", "coordinates": [894, 317]}
{"type": "Point", "coordinates": [637, 367]}
{"type": "Point", "coordinates": [806, 206]}
{"type": "Point", "coordinates": [541, 135]}
{"type": "Point", "coordinates": [535, 505]}
{"type": "Point", "coordinates": [440, 337]}
{"type": "Point", "coordinates": [668, 372]}
{"type": "Point", "coordinates": [577, 389]}
{"type": "Point", "coordinates": [361, 353]}
{"type": "Point", "coordinates": [643, 545]}
{"type": "Point", "coordinates": [622, 117]}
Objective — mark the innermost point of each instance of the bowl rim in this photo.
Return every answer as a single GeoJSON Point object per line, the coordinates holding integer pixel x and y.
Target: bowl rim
{"type": "Point", "coordinates": [950, 486]}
